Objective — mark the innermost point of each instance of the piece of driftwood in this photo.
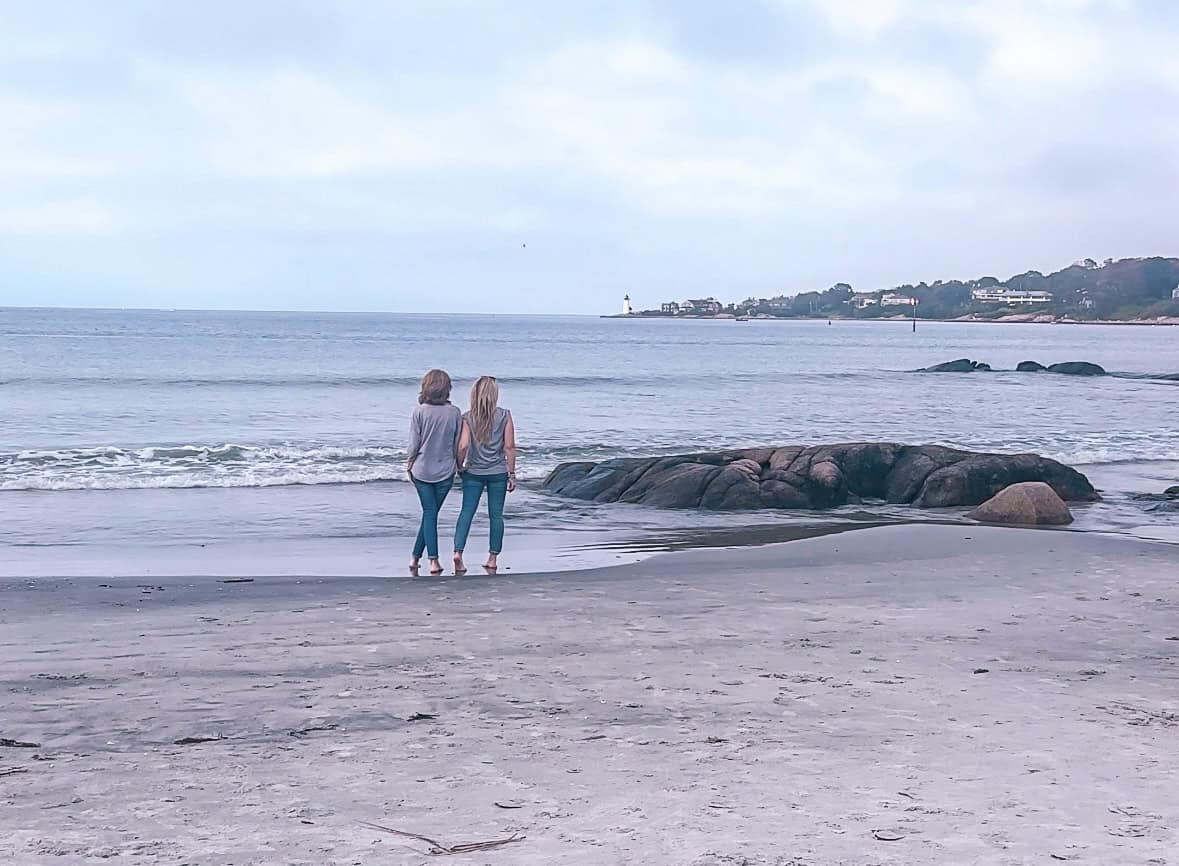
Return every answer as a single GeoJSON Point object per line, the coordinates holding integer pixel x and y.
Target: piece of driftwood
{"type": "Point", "coordinates": [192, 741]}
{"type": "Point", "coordinates": [437, 847]}
{"type": "Point", "coordinates": [18, 744]}
{"type": "Point", "coordinates": [12, 771]}
{"type": "Point", "coordinates": [302, 732]}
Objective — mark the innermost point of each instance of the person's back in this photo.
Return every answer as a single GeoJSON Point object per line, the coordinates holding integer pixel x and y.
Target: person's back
{"type": "Point", "coordinates": [489, 457]}
{"type": "Point", "coordinates": [432, 459]}
{"type": "Point", "coordinates": [434, 435]}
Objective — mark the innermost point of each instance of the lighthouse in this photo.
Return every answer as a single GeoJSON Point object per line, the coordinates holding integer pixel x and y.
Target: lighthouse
{"type": "Point", "coordinates": [627, 310]}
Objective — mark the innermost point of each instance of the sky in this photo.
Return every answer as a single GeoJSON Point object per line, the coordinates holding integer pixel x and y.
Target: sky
{"type": "Point", "coordinates": [549, 156]}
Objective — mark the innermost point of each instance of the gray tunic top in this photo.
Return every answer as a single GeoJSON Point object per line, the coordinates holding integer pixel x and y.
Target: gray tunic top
{"type": "Point", "coordinates": [433, 441]}
{"type": "Point", "coordinates": [489, 458]}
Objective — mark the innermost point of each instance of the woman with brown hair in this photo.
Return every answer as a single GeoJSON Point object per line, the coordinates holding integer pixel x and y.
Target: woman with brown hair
{"type": "Point", "coordinates": [487, 453]}
{"type": "Point", "coordinates": [433, 460]}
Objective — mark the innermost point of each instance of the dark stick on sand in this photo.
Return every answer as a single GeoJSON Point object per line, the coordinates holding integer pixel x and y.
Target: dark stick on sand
{"type": "Point", "coordinates": [437, 847]}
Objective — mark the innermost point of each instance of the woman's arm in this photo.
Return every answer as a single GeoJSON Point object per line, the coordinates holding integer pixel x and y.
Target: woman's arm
{"type": "Point", "coordinates": [415, 442]}
{"type": "Point", "coordinates": [510, 451]}
{"type": "Point", "coordinates": [464, 445]}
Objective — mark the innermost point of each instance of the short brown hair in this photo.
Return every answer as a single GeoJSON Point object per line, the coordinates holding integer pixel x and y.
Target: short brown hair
{"type": "Point", "coordinates": [435, 388]}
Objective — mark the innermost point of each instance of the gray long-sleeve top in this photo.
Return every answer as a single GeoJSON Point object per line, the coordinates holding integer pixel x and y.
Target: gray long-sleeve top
{"type": "Point", "coordinates": [433, 441]}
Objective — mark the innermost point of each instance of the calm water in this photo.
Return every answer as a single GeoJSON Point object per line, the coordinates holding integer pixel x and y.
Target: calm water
{"type": "Point", "coordinates": [140, 436]}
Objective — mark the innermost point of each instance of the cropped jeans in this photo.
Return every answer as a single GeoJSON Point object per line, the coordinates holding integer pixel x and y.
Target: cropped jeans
{"type": "Point", "coordinates": [497, 491]}
{"type": "Point", "coordinates": [431, 494]}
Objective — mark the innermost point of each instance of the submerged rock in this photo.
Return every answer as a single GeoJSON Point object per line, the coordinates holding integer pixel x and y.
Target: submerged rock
{"type": "Point", "coordinates": [1077, 368]}
{"type": "Point", "coordinates": [1031, 503]}
{"type": "Point", "coordinates": [1067, 368]}
{"type": "Point", "coordinates": [962, 365]}
{"type": "Point", "coordinates": [815, 477]}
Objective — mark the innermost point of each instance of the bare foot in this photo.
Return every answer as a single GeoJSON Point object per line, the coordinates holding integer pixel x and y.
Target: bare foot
{"type": "Point", "coordinates": [492, 563]}
{"type": "Point", "coordinates": [415, 565]}
{"type": "Point", "coordinates": [435, 567]}
{"type": "Point", "coordinates": [459, 566]}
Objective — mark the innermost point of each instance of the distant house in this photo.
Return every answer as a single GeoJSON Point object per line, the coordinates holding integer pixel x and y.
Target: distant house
{"type": "Point", "coordinates": [860, 300]}
{"type": "Point", "coordinates": [701, 307]}
{"type": "Point", "coordinates": [671, 308]}
{"type": "Point", "coordinates": [1175, 293]}
{"type": "Point", "coordinates": [1010, 297]}
{"type": "Point", "coordinates": [891, 300]}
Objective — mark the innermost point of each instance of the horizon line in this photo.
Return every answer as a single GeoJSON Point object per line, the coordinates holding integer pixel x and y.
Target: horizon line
{"type": "Point", "coordinates": [56, 307]}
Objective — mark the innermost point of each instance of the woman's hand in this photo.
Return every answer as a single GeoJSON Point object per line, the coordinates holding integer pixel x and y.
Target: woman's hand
{"type": "Point", "coordinates": [511, 482]}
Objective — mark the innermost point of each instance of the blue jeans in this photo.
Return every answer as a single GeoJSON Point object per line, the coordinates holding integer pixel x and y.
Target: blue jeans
{"type": "Point", "coordinates": [431, 495]}
{"type": "Point", "coordinates": [497, 491]}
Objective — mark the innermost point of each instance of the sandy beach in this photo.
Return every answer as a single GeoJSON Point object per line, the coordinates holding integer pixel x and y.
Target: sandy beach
{"type": "Point", "coordinates": [899, 695]}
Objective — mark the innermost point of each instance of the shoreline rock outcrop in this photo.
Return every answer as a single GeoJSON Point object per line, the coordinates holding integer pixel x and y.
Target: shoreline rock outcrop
{"type": "Point", "coordinates": [814, 477]}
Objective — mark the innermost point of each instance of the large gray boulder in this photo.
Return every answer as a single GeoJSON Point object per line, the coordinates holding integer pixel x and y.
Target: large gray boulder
{"type": "Point", "coordinates": [814, 477]}
{"type": "Point", "coordinates": [1030, 503]}
{"type": "Point", "coordinates": [978, 477]}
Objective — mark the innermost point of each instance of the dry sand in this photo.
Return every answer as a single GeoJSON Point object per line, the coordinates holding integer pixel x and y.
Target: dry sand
{"type": "Point", "coordinates": [905, 695]}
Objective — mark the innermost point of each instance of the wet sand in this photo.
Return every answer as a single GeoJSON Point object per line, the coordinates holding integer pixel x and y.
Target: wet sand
{"type": "Point", "coordinates": [899, 695]}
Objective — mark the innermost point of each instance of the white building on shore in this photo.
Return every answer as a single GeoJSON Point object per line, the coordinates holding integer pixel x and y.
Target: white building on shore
{"type": "Point", "coordinates": [701, 306]}
{"type": "Point", "coordinates": [627, 309]}
{"type": "Point", "coordinates": [1011, 297]}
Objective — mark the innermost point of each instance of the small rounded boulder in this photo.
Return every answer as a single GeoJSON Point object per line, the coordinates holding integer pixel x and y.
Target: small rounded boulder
{"type": "Point", "coordinates": [1031, 503]}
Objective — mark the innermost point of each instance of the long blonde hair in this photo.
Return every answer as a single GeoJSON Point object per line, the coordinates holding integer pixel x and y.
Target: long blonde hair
{"type": "Point", "coordinates": [484, 400]}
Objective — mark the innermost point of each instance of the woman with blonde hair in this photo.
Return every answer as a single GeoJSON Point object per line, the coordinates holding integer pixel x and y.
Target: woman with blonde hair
{"type": "Point", "coordinates": [433, 460]}
{"type": "Point", "coordinates": [487, 458]}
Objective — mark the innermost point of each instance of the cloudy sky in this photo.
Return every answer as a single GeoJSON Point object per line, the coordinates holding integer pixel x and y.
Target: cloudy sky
{"type": "Point", "coordinates": [546, 156]}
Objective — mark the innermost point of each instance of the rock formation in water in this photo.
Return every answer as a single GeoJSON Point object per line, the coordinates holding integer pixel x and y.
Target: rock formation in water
{"type": "Point", "coordinates": [1031, 503]}
{"type": "Point", "coordinates": [1168, 500]}
{"type": "Point", "coordinates": [814, 477]}
{"type": "Point", "coordinates": [1067, 368]}
{"type": "Point", "coordinates": [1075, 368]}
{"type": "Point", "coordinates": [962, 365]}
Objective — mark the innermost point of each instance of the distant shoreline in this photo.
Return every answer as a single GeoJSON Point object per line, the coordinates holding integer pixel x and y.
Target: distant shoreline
{"type": "Point", "coordinates": [1016, 319]}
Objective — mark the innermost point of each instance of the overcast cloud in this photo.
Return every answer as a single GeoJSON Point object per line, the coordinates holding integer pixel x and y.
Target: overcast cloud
{"type": "Point", "coordinates": [544, 156]}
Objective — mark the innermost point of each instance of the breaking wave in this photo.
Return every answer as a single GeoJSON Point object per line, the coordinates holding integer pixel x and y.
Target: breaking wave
{"type": "Point", "coordinates": [225, 465]}
{"type": "Point", "coordinates": [231, 465]}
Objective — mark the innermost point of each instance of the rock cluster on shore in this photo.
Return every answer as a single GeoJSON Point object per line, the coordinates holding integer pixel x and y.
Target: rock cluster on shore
{"type": "Point", "coordinates": [814, 477]}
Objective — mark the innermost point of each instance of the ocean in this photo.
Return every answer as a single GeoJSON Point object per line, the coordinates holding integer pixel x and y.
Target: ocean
{"type": "Point", "coordinates": [152, 442]}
